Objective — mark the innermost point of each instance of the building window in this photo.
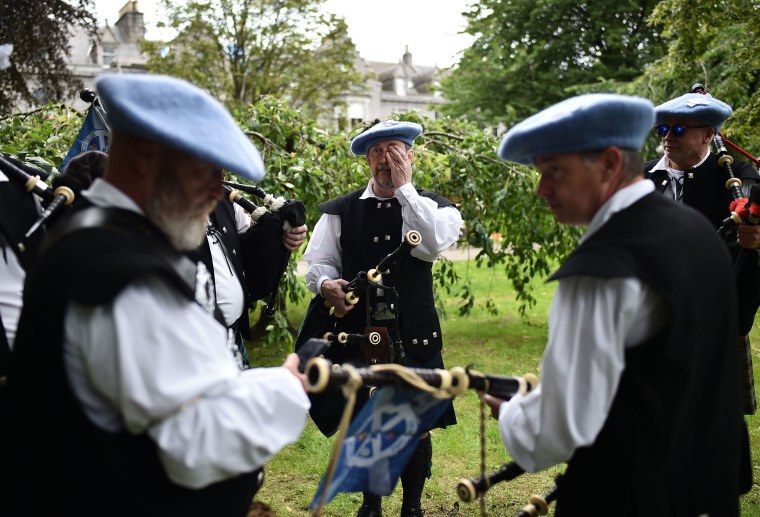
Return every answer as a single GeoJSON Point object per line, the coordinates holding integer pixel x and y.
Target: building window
{"type": "Point", "coordinates": [109, 53]}
{"type": "Point", "coordinates": [356, 114]}
{"type": "Point", "coordinates": [400, 84]}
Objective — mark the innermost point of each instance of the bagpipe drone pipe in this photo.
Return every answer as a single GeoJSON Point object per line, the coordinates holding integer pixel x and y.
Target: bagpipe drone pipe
{"type": "Point", "coordinates": [742, 210]}
{"type": "Point", "coordinates": [25, 181]}
{"type": "Point", "coordinates": [538, 504]}
{"type": "Point", "coordinates": [321, 314]}
{"type": "Point", "coordinates": [322, 374]}
{"type": "Point", "coordinates": [325, 379]}
{"type": "Point", "coordinates": [470, 489]}
{"type": "Point", "coordinates": [270, 219]}
{"type": "Point", "coordinates": [374, 277]}
{"type": "Point", "coordinates": [63, 188]}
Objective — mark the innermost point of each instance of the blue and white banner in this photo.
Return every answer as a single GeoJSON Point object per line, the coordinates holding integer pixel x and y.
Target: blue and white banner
{"type": "Point", "coordinates": [94, 135]}
{"type": "Point", "coordinates": [380, 441]}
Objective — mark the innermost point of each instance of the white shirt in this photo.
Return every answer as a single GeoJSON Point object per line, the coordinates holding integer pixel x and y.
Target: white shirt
{"type": "Point", "coordinates": [591, 323]}
{"type": "Point", "coordinates": [152, 361]}
{"type": "Point", "coordinates": [229, 291]}
{"type": "Point", "coordinates": [12, 277]}
{"type": "Point", "coordinates": [438, 227]}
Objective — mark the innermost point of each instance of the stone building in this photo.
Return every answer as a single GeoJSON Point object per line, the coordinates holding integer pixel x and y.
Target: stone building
{"type": "Point", "coordinates": [118, 49]}
{"type": "Point", "coordinates": [390, 87]}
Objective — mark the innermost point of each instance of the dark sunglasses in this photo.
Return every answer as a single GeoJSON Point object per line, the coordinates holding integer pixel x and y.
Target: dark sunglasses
{"type": "Point", "coordinates": [662, 130]}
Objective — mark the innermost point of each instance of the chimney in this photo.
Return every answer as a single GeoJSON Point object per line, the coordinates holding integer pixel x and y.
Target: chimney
{"type": "Point", "coordinates": [131, 23]}
{"type": "Point", "coordinates": [407, 56]}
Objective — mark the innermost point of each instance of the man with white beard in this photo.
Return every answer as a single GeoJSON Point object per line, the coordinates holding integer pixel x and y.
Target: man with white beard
{"type": "Point", "coordinates": [125, 399]}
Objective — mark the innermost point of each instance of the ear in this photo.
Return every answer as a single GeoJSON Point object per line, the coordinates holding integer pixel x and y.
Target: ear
{"type": "Point", "coordinates": [410, 154]}
{"type": "Point", "coordinates": [146, 154]}
{"type": "Point", "coordinates": [708, 136]}
{"type": "Point", "coordinates": [611, 161]}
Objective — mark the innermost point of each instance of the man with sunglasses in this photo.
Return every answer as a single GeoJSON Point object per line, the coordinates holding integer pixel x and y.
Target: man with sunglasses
{"type": "Point", "coordinates": [689, 173]}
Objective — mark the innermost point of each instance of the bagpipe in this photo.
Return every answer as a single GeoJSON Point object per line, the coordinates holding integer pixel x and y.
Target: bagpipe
{"type": "Point", "coordinates": [55, 198]}
{"type": "Point", "coordinates": [416, 390]}
{"type": "Point", "coordinates": [321, 374]}
{"type": "Point", "coordinates": [63, 189]}
{"type": "Point", "coordinates": [343, 338]}
{"type": "Point", "coordinates": [470, 489]}
{"type": "Point", "coordinates": [288, 213]}
{"type": "Point", "coordinates": [538, 505]}
{"type": "Point", "coordinates": [742, 209]}
{"type": "Point", "coordinates": [320, 316]}
{"type": "Point", "coordinates": [374, 276]}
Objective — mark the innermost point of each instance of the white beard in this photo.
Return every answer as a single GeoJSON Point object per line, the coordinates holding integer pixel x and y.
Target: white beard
{"type": "Point", "coordinates": [185, 228]}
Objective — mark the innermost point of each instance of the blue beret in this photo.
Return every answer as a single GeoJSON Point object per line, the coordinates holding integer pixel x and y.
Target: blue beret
{"type": "Point", "coordinates": [583, 123]}
{"type": "Point", "coordinates": [705, 108]}
{"type": "Point", "coordinates": [180, 115]}
{"type": "Point", "coordinates": [388, 130]}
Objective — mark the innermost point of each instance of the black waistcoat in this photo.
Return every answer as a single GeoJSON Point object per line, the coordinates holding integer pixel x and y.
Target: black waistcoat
{"type": "Point", "coordinates": [89, 258]}
{"type": "Point", "coordinates": [370, 230]}
{"type": "Point", "coordinates": [671, 444]}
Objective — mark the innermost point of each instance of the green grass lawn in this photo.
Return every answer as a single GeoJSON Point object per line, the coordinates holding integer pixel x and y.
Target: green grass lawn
{"type": "Point", "coordinates": [503, 344]}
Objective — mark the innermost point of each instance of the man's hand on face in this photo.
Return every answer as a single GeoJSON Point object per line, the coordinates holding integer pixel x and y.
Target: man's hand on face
{"type": "Point", "coordinates": [400, 164]}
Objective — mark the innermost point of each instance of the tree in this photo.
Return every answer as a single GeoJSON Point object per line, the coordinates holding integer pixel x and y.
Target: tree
{"type": "Point", "coordinates": [530, 54]}
{"type": "Point", "coordinates": [716, 47]}
{"type": "Point", "coordinates": [452, 157]}
{"type": "Point", "coordinates": [243, 49]}
{"type": "Point", "coordinates": [39, 32]}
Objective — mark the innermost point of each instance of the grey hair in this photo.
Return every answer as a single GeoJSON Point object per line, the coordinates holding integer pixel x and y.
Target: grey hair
{"type": "Point", "coordinates": [633, 164]}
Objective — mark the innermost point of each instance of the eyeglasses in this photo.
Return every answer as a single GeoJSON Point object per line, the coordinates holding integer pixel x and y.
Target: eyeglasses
{"type": "Point", "coordinates": [662, 130]}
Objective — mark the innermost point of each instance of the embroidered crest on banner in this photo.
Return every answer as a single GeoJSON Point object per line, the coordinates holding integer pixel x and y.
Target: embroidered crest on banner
{"type": "Point", "coordinates": [383, 435]}
{"type": "Point", "coordinates": [97, 140]}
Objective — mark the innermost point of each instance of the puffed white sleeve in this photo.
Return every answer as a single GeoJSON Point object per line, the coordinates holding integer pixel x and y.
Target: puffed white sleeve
{"type": "Point", "coordinates": [591, 323]}
{"type": "Point", "coordinates": [242, 218]}
{"type": "Point", "coordinates": [438, 227]}
{"type": "Point", "coordinates": [161, 362]}
{"type": "Point", "coordinates": [323, 253]}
